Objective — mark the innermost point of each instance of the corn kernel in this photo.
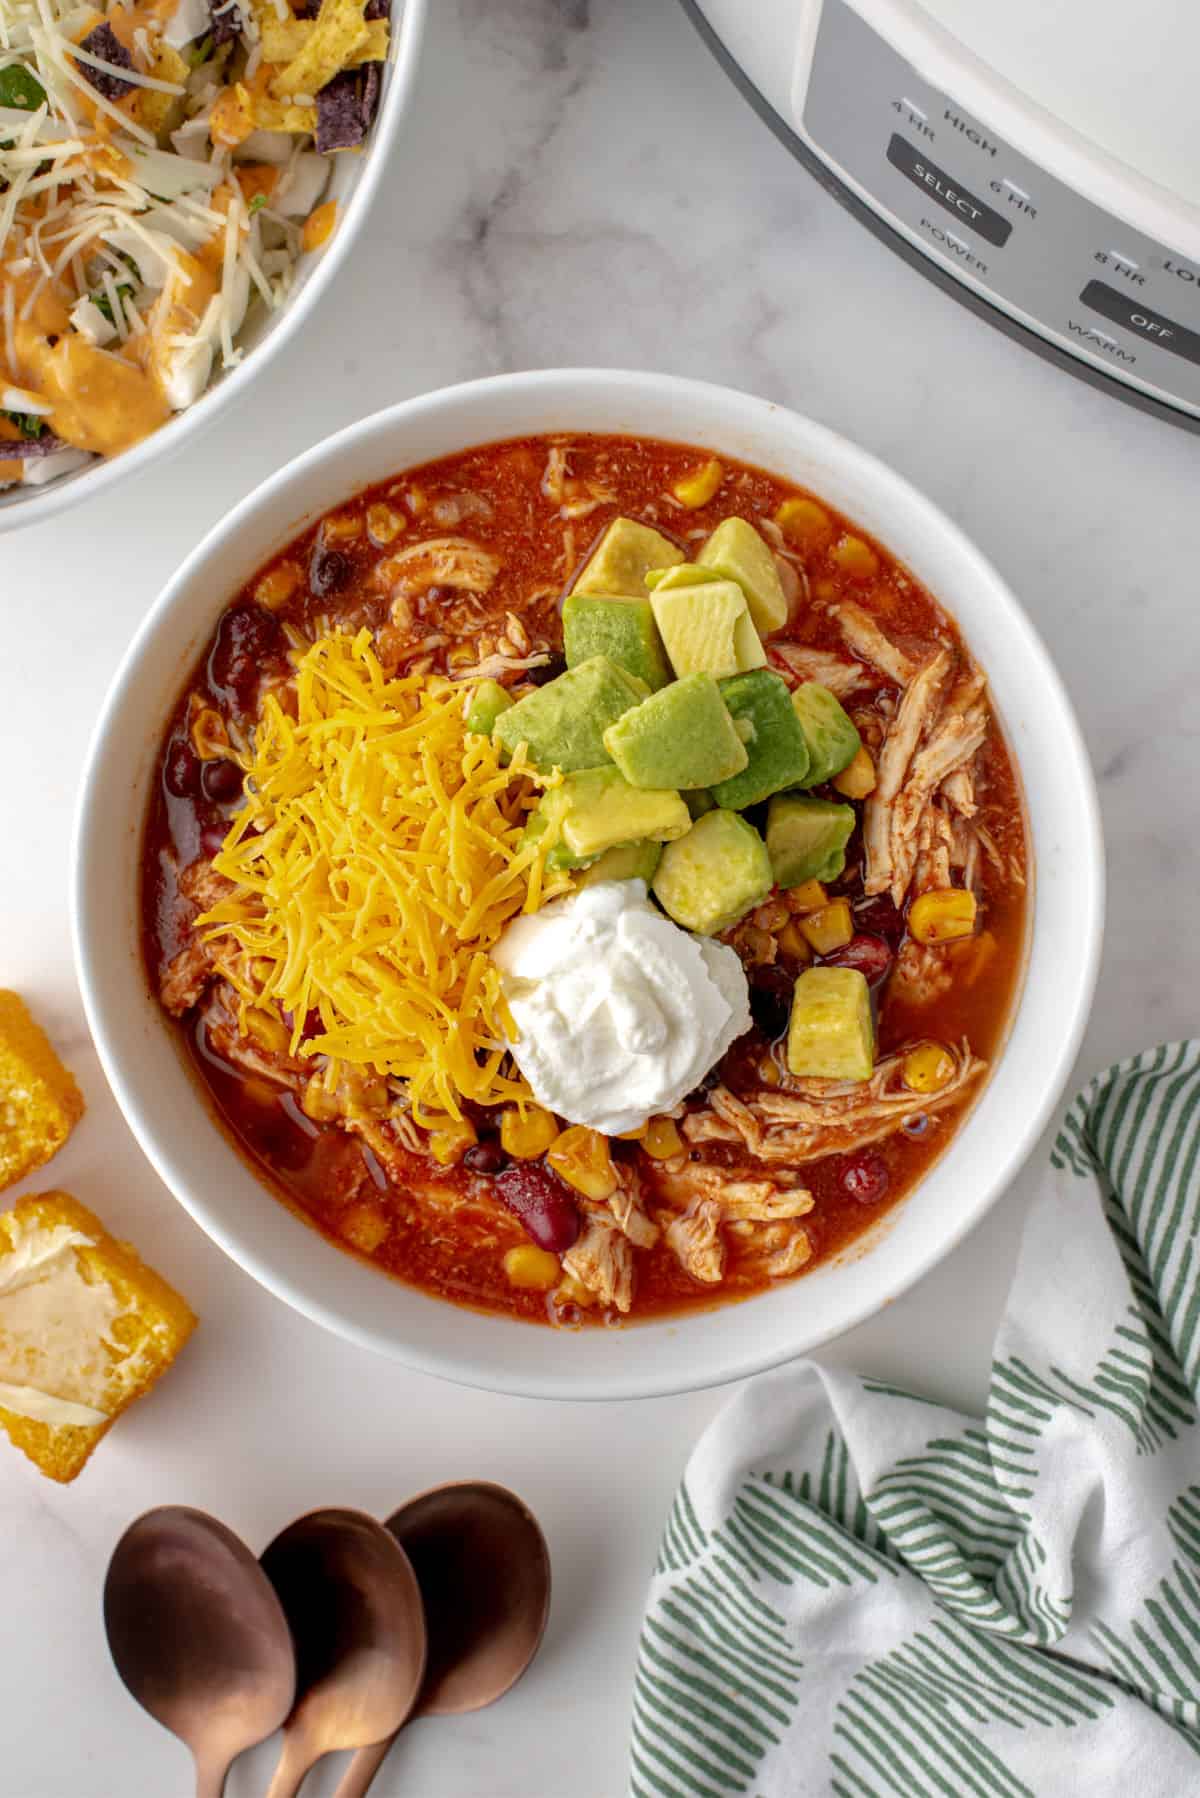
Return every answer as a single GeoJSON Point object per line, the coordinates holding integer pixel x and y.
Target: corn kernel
{"type": "Point", "coordinates": [794, 943]}
{"type": "Point", "coordinates": [450, 1143]}
{"type": "Point", "coordinates": [581, 1156]}
{"type": "Point", "coordinates": [318, 1103]}
{"type": "Point", "coordinates": [943, 916]}
{"type": "Point", "coordinates": [384, 525]}
{"type": "Point", "coordinates": [268, 1032]}
{"type": "Point", "coordinates": [771, 916]}
{"type": "Point", "coordinates": [696, 489]}
{"type": "Point", "coordinates": [810, 895]}
{"type": "Point", "coordinates": [927, 1068]}
{"type": "Point", "coordinates": [365, 1225]}
{"type": "Point", "coordinates": [210, 739]}
{"type": "Point", "coordinates": [830, 928]}
{"type": "Point", "coordinates": [825, 590]}
{"type": "Point", "coordinates": [857, 778]}
{"type": "Point", "coordinates": [318, 226]}
{"type": "Point", "coordinates": [531, 1268]}
{"type": "Point", "coordinates": [277, 586]}
{"type": "Point", "coordinates": [462, 656]}
{"type": "Point", "coordinates": [525, 1138]}
{"type": "Point", "coordinates": [856, 559]}
{"type": "Point", "coordinates": [662, 1139]}
{"type": "Point", "coordinates": [804, 523]}
{"type": "Point", "coordinates": [341, 527]}
{"type": "Point", "coordinates": [634, 1135]}
{"type": "Point", "coordinates": [573, 1292]}
{"type": "Point", "coordinates": [768, 1071]}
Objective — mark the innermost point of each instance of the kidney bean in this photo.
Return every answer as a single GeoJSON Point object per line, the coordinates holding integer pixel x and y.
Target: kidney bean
{"type": "Point", "coordinates": [879, 917]}
{"type": "Point", "coordinates": [541, 1204]}
{"type": "Point", "coordinates": [771, 1000]}
{"type": "Point", "coordinates": [869, 954]}
{"type": "Point", "coordinates": [248, 637]}
{"type": "Point", "coordinates": [181, 770]}
{"type": "Point", "coordinates": [328, 572]}
{"type": "Point", "coordinates": [865, 1177]}
{"type": "Point", "coordinates": [548, 671]}
{"type": "Point", "coordinates": [221, 781]}
{"type": "Point", "coordinates": [486, 1157]}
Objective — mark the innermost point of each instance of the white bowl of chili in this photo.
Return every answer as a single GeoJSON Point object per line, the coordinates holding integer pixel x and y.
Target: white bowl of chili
{"type": "Point", "coordinates": [154, 1079]}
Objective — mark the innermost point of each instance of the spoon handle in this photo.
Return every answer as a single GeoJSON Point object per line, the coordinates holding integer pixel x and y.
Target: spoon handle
{"type": "Point", "coordinates": [211, 1776]}
{"type": "Point", "coordinates": [360, 1774]}
{"type": "Point", "coordinates": [295, 1764]}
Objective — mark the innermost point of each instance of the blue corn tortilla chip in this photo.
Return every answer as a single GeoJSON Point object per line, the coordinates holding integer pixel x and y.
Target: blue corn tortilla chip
{"type": "Point", "coordinates": [346, 106]}
{"type": "Point", "coordinates": [103, 41]}
{"type": "Point", "coordinates": [28, 449]}
{"type": "Point", "coordinates": [225, 22]}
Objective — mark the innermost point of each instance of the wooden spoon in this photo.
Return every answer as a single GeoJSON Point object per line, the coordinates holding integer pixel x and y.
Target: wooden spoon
{"type": "Point", "coordinates": [199, 1637]}
{"type": "Point", "coordinates": [354, 1608]}
{"type": "Point", "coordinates": [484, 1572]}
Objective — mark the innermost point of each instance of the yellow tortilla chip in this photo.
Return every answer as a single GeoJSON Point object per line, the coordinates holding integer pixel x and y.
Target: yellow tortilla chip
{"type": "Point", "coordinates": [283, 40]}
{"type": "Point", "coordinates": [159, 112]}
{"type": "Point", "coordinates": [338, 33]}
{"type": "Point", "coordinates": [282, 115]}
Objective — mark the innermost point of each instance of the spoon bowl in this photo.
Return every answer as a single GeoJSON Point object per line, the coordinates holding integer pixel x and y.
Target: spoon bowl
{"type": "Point", "coordinates": [353, 1605]}
{"type": "Point", "coordinates": [199, 1637]}
{"type": "Point", "coordinates": [483, 1569]}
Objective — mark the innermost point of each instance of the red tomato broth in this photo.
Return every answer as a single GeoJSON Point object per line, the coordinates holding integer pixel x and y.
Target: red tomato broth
{"type": "Point", "coordinates": [445, 1231]}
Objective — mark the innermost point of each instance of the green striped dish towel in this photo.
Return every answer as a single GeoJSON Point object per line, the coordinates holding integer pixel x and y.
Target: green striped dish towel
{"type": "Point", "coordinates": [861, 1593]}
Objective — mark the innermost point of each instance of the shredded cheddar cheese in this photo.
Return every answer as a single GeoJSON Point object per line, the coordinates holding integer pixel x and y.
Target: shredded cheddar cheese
{"type": "Point", "coordinates": [376, 861]}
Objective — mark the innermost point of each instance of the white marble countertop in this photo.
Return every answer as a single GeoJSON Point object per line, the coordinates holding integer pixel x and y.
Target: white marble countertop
{"type": "Point", "coordinates": [578, 183]}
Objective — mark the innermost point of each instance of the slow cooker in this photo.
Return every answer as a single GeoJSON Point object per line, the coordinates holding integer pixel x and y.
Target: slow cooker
{"type": "Point", "coordinates": [1037, 159]}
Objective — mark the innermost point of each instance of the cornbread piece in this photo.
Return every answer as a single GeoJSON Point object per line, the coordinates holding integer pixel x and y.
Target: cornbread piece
{"type": "Point", "coordinates": [40, 1103]}
{"type": "Point", "coordinates": [85, 1329]}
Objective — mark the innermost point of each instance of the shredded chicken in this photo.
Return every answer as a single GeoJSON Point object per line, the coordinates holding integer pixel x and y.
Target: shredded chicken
{"type": "Point", "coordinates": [815, 1118]}
{"type": "Point", "coordinates": [795, 1254]}
{"type": "Point", "coordinates": [742, 1198]}
{"type": "Point", "coordinates": [912, 721]}
{"type": "Point", "coordinates": [574, 497]}
{"type": "Point", "coordinates": [454, 509]}
{"type": "Point", "coordinates": [187, 974]}
{"type": "Point", "coordinates": [695, 1237]}
{"type": "Point", "coordinates": [830, 671]}
{"type": "Point", "coordinates": [958, 790]}
{"type": "Point", "coordinates": [246, 1051]}
{"type": "Point", "coordinates": [602, 1260]}
{"type": "Point", "coordinates": [922, 973]}
{"type": "Point", "coordinates": [625, 1208]}
{"type": "Point", "coordinates": [868, 641]}
{"type": "Point", "coordinates": [935, 851]}
{"type": "Point", "coordinates": [493, 666]}
{"type": "Point", "coordinates": [956, 740]}
{"type": "Point", "coordinates": [439, 562]}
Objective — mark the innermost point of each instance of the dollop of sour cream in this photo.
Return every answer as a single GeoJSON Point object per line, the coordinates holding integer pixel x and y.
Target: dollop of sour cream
{"type": "Point", "coordinates": [618, 1011]}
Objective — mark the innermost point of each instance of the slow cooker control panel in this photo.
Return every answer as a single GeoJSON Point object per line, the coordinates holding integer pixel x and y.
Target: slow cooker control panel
{"type": "Point", "coordinates": [998, 221]}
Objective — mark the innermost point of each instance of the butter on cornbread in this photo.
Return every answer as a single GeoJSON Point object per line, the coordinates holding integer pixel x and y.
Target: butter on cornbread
{"type": "Point", "coordinates": [85, 1329]}
{"type": "Point", "coordinates": [40, 1103]}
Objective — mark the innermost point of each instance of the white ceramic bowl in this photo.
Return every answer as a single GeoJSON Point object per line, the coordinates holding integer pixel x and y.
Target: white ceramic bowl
{"type": "Point", "coordinates": [169, 1115]}
{"type": "Point", "coordinates": [352, 183]}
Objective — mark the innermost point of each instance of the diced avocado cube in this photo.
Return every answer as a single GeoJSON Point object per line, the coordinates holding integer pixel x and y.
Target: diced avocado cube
{"type": "Point", "coordinates": [761, 708]}
{"type": "Point", "coordinates": [621, 629]}
{"type": "Point", "coordinates": [627, 861]}
{"type": "Point", "coordinates": [601, 809]}
{"type": "Point", "coordinates": [736, 551]}
{"type": "Point", "coordinates": [716, 874]}
{"type": "Point", "coordinates": [619, 561]}
{"type": "Point", "coordinates": [549, 811]}
{"type": "Point", "coordinates": [806, 838]}
{"type": "Point", "coordinates": [683, 574]}
{"type": "Point", "coordinates": [699, 801]}
{"type": "Point", "coordinates": [706, 628]}
{"type": "Point", "coordinates": [680, 737]}
{"type": "Point", "coordinates": [564, 722]}
{"type": "Point", "coordinates": [487, 703]}
{"type": "Point", "coordinates": [833, 742]}
{"type": "Point", "coordinates": [830, 1035]}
